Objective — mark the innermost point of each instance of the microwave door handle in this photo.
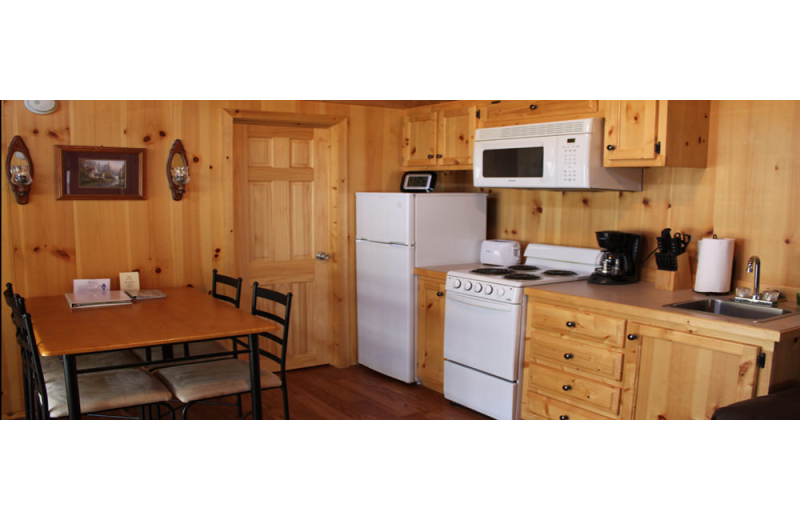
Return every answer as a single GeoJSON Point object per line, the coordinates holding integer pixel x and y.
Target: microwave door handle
{"type": "Point", "coordinates": [472, 302]}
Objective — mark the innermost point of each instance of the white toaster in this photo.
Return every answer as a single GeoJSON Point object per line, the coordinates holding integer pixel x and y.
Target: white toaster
{"type": "Point", "coordinates": [500, 252]}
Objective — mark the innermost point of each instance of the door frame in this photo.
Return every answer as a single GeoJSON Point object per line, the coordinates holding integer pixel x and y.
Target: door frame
{"type": "Point", "coordinates": [342, 298]}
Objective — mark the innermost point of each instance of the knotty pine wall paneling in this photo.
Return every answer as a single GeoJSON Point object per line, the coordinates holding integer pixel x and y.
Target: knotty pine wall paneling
{"type": "Point", "coordinates": [48, 243]}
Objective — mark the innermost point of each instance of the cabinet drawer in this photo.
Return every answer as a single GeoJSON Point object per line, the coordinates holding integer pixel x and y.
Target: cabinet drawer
{"type": "Point", "coordinates": [546, 408]}
{"type": "Point", "coordinates": [570, 387]}
{"type": "Point", "coordinates": [579, 325]}
{"type": "Point", "coordinates": [592, 360]}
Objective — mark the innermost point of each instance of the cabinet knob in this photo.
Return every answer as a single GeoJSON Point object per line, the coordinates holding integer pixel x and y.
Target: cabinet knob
{"type": "Point", "coordinates": [632, 337]}
{"type": "Point", "coordinates": [533, 107]}
{"type": "Point", "coordinates": [570, 324]}
{"type": "Point", "coordinates": [564, 417]}
{"type": "Point", "coordinates": [568, 356]}
{"type": "Point", "coordinates": [430, 156]}
{"type": "Point", "coordinates": [566, 388]}
{"type": "Point", "coordinates": [438, 156]}
{"type": "Point", "coordinates": [440, 293]}
{"type": "Point", "coordinates": [611, 147]}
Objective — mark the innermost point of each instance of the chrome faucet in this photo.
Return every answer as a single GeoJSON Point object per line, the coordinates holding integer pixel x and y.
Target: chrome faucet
{"type": "Point", "coordinates": [755, 264]}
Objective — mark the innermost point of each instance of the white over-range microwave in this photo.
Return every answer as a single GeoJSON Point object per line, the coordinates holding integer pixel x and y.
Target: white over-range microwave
{"type": "Point", "coordinates": [561, 155]}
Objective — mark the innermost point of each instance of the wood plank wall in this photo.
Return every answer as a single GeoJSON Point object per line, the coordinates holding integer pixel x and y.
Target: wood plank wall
{"type": "Point", "coordinates": [749, 191]}
{"type": "Point", "coordinates": [48, 243]}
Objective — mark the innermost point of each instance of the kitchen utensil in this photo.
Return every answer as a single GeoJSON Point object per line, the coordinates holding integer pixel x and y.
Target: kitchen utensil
{"type": "Point", "coordinates": [679, 243]}
{"type": "Point", "coordinates": [667, 261]}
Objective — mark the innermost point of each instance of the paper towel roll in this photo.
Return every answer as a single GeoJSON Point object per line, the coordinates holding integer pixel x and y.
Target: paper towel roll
{"type": "Point", "coordinates": [714, 265]}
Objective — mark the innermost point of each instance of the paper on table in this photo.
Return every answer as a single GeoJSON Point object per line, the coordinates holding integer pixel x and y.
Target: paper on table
{"type": "Point", "coordinates": [99, 285]}
{"type": "Point", "coordinates": [129, 281]}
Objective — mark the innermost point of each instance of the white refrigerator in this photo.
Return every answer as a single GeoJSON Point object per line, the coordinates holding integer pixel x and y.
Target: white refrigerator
{"type": "Point", "coordinates": [396, 232]}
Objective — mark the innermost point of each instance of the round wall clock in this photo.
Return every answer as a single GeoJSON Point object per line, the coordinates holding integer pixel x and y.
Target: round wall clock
{"type": "Point", "coordinates": [41, 107]}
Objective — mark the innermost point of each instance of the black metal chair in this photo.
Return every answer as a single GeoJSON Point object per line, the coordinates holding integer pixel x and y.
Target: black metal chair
{"type": "Point", "coordinates": [200, 348]}
{"type": "Point", "coordinates": [214, 379]}
{"type": "Point", "coordinates": [99, 391]}
{"type": "Point", "coordinates": [52, 367]}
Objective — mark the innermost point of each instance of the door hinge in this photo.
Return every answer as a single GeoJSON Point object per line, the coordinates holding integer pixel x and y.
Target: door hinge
{"type": "Point", "coordinates": [761, 360]}
{"type": "Point", "coordinates": [478, 113]}
{"type": "Point", "coordinates": [658, 148]}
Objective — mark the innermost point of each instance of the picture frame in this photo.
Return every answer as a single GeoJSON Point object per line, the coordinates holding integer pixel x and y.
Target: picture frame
{"type": "Point", "coordinates": [99, 173]}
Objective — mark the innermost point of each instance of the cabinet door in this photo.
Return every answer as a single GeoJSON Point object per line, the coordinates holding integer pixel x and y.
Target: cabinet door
{"type": "Point", "coordinates": [631, 131]}
{"type": "Point", "coordinates": [419, 139]}
{"type": "Point", "coordinates": [503, 113]}
{"type": "Point", "coordinates": [430, 333]}
{"type": "Point", "coordinates": [684, 376]}
{"type": "Point", "coordinates": [456, 134]}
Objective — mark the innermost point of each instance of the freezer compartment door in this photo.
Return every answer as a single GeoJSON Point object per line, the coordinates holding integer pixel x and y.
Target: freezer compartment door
{"type": "Point", "coordinates": [385, 217]}
{"type": "Point", "coordinates": [385, 303]}
{"type": "Point", "coordinates": [481, 392]}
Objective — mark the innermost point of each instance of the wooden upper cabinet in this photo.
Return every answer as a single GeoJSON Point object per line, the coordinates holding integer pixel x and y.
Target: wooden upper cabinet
{"type": "Point", "coordinates": [510, 113]}
{"type": "Point", "coordinates": [646, 133]}
{"type": "Point", "coordinates": [439, 138]}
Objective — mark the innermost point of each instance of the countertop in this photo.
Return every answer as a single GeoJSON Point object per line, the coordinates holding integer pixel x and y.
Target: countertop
{"type": "Point", "coordinates": [643, 300]}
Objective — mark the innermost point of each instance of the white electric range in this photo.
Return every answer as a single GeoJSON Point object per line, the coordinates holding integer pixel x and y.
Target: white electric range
{"type": "Point", "coordinates": [484, 332]}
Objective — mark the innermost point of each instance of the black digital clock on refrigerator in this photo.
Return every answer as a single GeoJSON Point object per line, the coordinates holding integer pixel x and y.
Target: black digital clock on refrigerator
{"type": "Point", "coordinates": [418, 182]}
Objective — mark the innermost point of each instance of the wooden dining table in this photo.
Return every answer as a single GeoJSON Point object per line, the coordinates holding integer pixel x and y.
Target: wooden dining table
{"type": "Point", "coordinates": [184, 316]}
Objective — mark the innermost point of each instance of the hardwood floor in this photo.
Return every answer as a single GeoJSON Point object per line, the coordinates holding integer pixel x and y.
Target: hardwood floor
{"type": "Point", "coordinates": [346, 393]}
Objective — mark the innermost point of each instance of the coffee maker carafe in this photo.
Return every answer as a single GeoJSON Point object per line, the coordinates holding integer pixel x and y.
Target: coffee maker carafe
{"type": "Point", "coordinates": [617, 263]}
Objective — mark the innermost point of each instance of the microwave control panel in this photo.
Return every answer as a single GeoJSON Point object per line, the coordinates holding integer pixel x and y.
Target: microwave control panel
{"type": "Point", "coordinates": [572, 158]}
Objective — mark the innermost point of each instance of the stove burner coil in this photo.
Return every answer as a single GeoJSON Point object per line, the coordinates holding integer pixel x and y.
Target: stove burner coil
{"type": "Point", "coordinates": [523, 267]}
{"type": "Point", "coordinates": [559, 272]}
{"type": "Point", "coordinates": [522, 276]}
{"type": "Point", "coordinates": [491, 270]}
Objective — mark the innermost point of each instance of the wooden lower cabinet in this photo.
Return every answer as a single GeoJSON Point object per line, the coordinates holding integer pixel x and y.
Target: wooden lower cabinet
{"type": "Point", "coordinates": [685, 376]}
{"type": "Point", "coordinates": [592, 359]}
{"type": "Point", "coordinates": [430, 333]}
{"type": "Point", "coordinates": [578, 365]}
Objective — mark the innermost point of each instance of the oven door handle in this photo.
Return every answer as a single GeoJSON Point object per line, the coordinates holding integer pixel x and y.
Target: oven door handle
{"type": "Point", "coordinates": [474, 302]}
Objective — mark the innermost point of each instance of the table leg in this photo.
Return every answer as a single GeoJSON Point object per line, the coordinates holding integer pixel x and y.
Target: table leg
{"type": "Point", "coordinates": [255, 375]}
{"type": "Point", "coordinates": [71, 380]}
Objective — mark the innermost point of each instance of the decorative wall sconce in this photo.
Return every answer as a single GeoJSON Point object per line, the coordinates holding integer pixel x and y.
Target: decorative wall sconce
{"type": "Point", "coordinates": [177, 170]}
{"type": "Point", "coordinates": [19, 169]}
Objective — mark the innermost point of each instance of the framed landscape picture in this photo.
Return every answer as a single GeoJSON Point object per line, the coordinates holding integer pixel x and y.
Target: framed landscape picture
{"type": "Point", "coordinates": [99, 173]}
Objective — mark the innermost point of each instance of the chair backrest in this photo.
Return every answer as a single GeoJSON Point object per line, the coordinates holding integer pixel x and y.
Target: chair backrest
{"type": "Point", "coordinates": [11, 301]}
{"type": "Point", "coordinates": [281, 299]}
{"type": "Point", "coordinates": [236, 283]}
{"type": "Point", "coordinates": [30, 357]}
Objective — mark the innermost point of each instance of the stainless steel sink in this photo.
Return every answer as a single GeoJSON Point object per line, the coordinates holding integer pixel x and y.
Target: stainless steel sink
{"type": "Point", "coordinates": [732, 309]}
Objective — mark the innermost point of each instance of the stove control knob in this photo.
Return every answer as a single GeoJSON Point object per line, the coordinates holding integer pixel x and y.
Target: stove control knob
{"type": "Point", "coordinates": [489, 289]}
{"type": "Point", "coordinates": [456, 283]}
{"type": "Point", "coordinates": [478, 287]}
{"type": "Point", "coordinates": [467, 285]}
{"type": "Point", "coordinates": [500, 291]}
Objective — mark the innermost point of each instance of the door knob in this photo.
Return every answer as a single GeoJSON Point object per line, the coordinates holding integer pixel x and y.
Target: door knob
{"type": "Point", "coordinates": [323, 256]}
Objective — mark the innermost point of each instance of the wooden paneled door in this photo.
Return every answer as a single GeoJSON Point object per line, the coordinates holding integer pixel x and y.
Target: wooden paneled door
{"type": "Point", "coordinates": [282, 225]}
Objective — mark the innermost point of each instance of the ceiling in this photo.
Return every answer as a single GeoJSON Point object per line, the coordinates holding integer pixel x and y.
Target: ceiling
{"type": "Point", "coordinates": [392, 103]}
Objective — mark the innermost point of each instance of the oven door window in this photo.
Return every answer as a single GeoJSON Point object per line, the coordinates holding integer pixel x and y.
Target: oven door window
{"type": "Point", "coordinates": [519, 163]}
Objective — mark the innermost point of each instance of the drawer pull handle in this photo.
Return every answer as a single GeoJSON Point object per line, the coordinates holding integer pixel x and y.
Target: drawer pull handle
{"type": "Point", "coordinates": [611, 148]}
{"type": "Point", "coordinates": [568, 356]}
{"type": "Point", "coordinates": [533, 107]}
{"type": "Point", "coordinates": [440, 293]}
{"type": "Point", "coordinates": [439, 156]}
{"type": "Point", "coordinates": [430, 156]}
{"type": "Point", "coordinates": [566, 388]}
{"type": "Point", "coordinates": [564, 417]}
{"type": "Point", "coordinates": [632, 337]}
{"type": "Point", "coordinates": [570, 324]}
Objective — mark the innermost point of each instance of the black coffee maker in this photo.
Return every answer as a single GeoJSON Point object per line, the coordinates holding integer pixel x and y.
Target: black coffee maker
{"type": "Point", "coordinates": [618, 261]}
